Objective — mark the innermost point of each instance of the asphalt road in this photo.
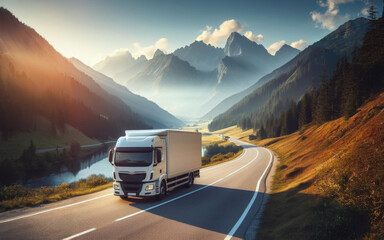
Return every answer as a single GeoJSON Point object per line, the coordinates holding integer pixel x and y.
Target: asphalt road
{"type": "Point", "coordinates": [221, 205]}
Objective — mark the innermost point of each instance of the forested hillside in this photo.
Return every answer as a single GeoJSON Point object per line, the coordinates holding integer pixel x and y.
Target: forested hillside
{"type": "Point", "coordinates": [352, 83]}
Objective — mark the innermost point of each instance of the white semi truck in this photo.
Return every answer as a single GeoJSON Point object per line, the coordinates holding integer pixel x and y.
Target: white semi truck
{"type": "Point", "coordinates": [152, 162]}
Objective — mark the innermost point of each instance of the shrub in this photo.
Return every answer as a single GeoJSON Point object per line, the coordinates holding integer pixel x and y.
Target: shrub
{"type": "Point", "coordinates": [205, 160]}
{"type": "Point", "coordinates": [216, 149]}
{"type": "Point", "coordinates": [96, 180]}
{"type": "Point", "coordinates": [13, 191]}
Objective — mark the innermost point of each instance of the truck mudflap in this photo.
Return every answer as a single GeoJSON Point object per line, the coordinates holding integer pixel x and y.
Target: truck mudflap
{"type": "Point", "coordinates": [196, 173]}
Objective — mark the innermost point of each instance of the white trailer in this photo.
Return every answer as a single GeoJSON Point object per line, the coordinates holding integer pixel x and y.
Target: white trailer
{"type": "Point", "coordinates": [152, 162]}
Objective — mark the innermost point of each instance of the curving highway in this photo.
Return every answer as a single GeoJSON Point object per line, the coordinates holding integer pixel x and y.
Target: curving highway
{"type": "Point", "coordinates": [221, 205]}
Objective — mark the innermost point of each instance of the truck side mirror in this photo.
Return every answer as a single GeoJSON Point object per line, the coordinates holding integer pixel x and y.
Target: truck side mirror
{"type": "Point", "coordinates": [158, 155]}
{"type": "Point", "coordinates": [110, 156]}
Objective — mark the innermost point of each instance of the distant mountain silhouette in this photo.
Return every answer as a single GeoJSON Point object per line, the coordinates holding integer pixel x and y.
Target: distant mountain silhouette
{"type": "Point", "coordinates": [201, 56]}
{"type": "Point", "coordinates": [115, 63]}
{"type": "Point", "coordinates": [272, 93]}
{"type": "Point", "coordinates": [239, 45]}
{"type": "Point", "coordinates": [158, 52]}
{"type": "Point", "coordinates": [149, 111]}
{"type": "Point", "coordinates": [121, 66]}
{"type": "Point", "coordinates": [286, 53]}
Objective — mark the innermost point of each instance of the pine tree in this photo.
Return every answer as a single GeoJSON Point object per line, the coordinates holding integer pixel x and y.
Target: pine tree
{"type": "Point", "coordinates": [305, 110]}
{"type": "Point", "coordinates": [262, 133]}
{"type": "Point", "coordinates": [322, 113]}
{"type": "Point", "coordinates": [372, 12]}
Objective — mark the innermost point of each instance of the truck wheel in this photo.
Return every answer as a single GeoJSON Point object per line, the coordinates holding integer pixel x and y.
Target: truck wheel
{"type": "Point", "coordinates": [190, 180]}
{"type": "Point", "coordinates": [163, 191]}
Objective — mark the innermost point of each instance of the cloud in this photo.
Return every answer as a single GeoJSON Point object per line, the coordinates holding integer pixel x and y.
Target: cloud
{"type": "Point", "coordinates": [301, 44]}
{"type": "Point", "coordinates": [275, 47]}
{"type": "Point", "coordinates": [120, 52]}
{"type": "Point", "coordinates": [221, 34]}
{"type": "Point", "coordinates": [149, 51]}
{"type": "Point", "coordinates": [252, 37]}
{"type": "Point", "coordinates": [364, 11]}
{"type": "Point", "coordinates": [331, 18]}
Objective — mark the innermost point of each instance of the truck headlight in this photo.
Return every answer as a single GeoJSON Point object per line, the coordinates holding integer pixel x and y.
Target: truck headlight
{"type": "Point", "coordinates": [116, 186]}
{"type": "Point", "coordinates": [149, 187]}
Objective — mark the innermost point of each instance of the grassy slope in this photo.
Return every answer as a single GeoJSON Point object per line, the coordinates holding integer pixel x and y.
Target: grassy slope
{"type": "Point", "coordinates": [42, 137]}
{"type": "Point", "coordinates": [235, 131]}
{"type": "Point", "coordinates": [329, 183]}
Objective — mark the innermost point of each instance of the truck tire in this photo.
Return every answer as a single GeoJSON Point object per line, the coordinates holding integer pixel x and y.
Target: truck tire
{"type": "Point", "coordinates": [163, 191]}
{"type": "Point", "coordinates": [191, 180]}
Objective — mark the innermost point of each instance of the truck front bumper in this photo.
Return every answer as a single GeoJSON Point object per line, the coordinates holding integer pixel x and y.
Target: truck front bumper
{"type": "Point", "coordinates": [135, 189]}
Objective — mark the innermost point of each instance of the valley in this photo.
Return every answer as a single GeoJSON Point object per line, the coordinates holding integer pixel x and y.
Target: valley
{"type": "Point", "coordinates": [292, 129]}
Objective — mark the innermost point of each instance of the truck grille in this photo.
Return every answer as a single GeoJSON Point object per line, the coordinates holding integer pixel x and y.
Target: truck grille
{"type": "Point", "coordinates": [132, 178]}
{"type": "Point", "coordinates": [131, 187]}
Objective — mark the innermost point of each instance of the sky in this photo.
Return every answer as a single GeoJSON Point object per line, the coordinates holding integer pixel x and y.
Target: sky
{"type": "Point", "coordinates": [92, 29]}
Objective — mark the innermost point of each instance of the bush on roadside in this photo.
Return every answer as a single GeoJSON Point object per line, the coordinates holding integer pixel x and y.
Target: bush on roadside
{"type": "Point", "coordinates": [13, 191]}
{"type": "Point", "coordinates": [205, 160]}
{"type": "Point", "coordinates": [96, 180]}
{"type": "Point", "coordinates": [216, 149]}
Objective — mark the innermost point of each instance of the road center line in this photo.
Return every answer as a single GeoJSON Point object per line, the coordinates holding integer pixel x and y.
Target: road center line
{"type": "Point", "coordinates": [242, 217]}
{"type": "Point", "coordinates": [189, 193]}
{"type": "Point", "coordinates": [79, 234]}
{"type": "Point", "coordinates": [52, 209]}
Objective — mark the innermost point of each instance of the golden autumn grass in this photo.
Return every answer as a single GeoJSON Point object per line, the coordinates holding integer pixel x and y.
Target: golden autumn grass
{"type": "Point", "coordinates": [329, 183]}
{"type": "Point", "coordinates": [207, 140]}
{"type": "Point", "coordinates": [17, 196]}
{"type": "Point", "coordinates": [235, 131]}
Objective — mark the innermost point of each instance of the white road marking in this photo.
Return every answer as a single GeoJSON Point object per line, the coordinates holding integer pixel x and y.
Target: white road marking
{"type": "Point", "coordinates": [79, 234]}
{"type": "Point", "coordinates": [52, 209]}
{"type": "Point", "coordinates": [199, 189]}
{"type": "Point", "coordinates": [242, 217]}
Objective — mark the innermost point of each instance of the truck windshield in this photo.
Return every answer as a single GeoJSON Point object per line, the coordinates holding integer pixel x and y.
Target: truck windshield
{"type": "Point", "coordinates": [133, 158]}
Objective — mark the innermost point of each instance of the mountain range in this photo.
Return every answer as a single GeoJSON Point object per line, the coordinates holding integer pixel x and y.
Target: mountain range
{"type": "Point", "coordinates": [196, 77]}
{"type": "Point", "coordinates": [273, 92]}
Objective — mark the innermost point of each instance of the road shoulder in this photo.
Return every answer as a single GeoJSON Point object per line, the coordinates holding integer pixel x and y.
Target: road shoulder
{"type": "Point", "coordinates": [251, 233]}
